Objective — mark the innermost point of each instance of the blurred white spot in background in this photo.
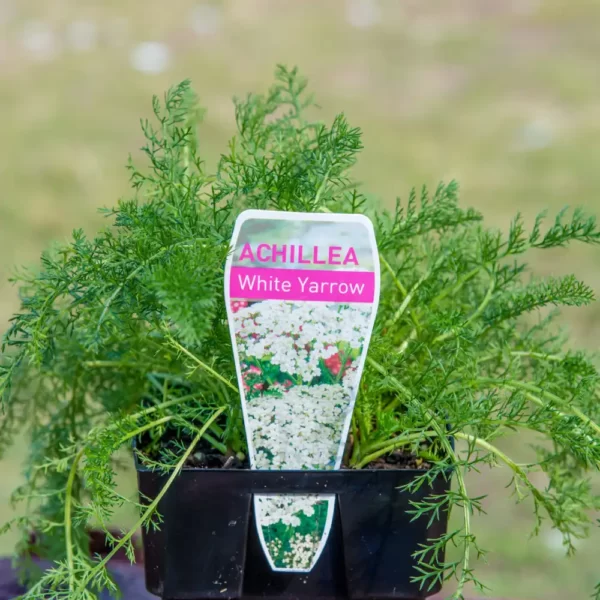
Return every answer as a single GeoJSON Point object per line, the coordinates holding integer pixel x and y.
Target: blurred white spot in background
{"type": "Point", "coordinates": [82, 36]}
{"type": "Point", "coordinates": [206, 19]}
{"type": "Point", "coordinates": [363, 13]}
{"type": "Point", "coordinates": [38, 39]}
{"type": "Point", "coordinates": [151, 57]}
{"type": "Point", "coordinates": [536, 135]}
{"type": "Point", "coordinates": [553, 540]}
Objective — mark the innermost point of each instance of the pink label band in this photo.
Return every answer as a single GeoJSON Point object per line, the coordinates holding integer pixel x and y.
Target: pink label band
{"type": "Point", "coordinates": [256, 283]}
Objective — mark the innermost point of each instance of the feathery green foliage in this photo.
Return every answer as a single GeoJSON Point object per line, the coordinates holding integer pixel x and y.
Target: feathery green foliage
{"type": "Point", "coordinates": [126, 334]}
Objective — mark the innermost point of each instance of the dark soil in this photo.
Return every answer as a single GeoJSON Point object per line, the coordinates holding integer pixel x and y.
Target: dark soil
{"type": "Point", "coordinates": [399, 459]}
{"type": "Point", "coordinates": [209, 459]}
{"type": "Point", "coordinates": [206, 457]}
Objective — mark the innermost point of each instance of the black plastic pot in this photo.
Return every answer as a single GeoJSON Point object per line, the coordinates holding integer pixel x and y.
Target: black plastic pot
{"type": "Point", "coordinates": [208, 545]}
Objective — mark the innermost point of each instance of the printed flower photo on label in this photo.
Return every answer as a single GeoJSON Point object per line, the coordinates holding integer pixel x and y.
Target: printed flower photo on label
{"type": "Point", "coordinates": [302, 292]}
{"type": "Point", "coordinates": [299, 366]}
{"type": "Point", "coordinates": [292, 527]}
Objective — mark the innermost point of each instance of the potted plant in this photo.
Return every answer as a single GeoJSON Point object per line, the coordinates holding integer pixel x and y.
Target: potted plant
{"type": "Point", "coordinates": [123, 340]}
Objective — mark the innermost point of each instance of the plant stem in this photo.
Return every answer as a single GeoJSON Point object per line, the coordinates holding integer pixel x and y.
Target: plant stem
{"type": "Point", "coordinates": [153, 505]}
{"type": "Point", "coordinates": [396, 443]}
{"type": "Point", "coordinates": [321, 189]}
{"type": "Point", "coordinates": [486, 300]}
{"type": "Point", "coordinates": [68, 521]}
{"type": "Point", "coordinates": [405, 304]}
{"type": "Point", "coordinates": [539, 355]}
{"type": "Point", "coordinates": [120, 287]}
{"type": "Point", "coordinates": [393, 275]}
{"type": "Point", "coordinates": [381, 369]}
{"type": "Point", "coordinates": [213, 442]}
{"type": "Point", "coordinates": [202, 365]}
{"type": "Point", "coordinates": [135, 272]}
{"type": "Point", "coordinates": [531, 390]}
{"type": "Point", "coordinates": [143, 428]}
{"type": "Point", "coordinates": [517, 469]}
{"type": "Point", "coordinates": [448, 291]}
{"type": "Point", "coordinates": [408, 296]}
{"type": "Point", "coordinates": [209, 438]}
{"type": "Point", "coordinates": [443, 437]}
{"type": "Point", "coordinates": [407, 341]}
{"type": "Point", "coordinates": [69, 491]}
{"type": "Point", "coordinates": [114, 364]}
{"type": "Point", "coordinates": [145, 412]}
{"type": "Point", "coordinates": [356, 445]}
{"type": "Point", "coordinates": [384, 444]}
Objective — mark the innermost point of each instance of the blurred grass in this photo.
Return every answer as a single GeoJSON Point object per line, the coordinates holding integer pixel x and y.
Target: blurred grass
{"type": "Point", "coordinates": [501, 95]}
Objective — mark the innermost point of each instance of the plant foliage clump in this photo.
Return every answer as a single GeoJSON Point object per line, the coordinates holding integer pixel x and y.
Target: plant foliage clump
{"type": "Point", "coordinates": [125, 337]}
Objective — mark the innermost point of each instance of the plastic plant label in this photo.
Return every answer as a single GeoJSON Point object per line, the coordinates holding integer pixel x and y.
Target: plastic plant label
{"type": "Point", "coordinates": [302, 291]}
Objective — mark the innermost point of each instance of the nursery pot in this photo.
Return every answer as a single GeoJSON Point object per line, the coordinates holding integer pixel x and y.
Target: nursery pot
{"type": "Point", "coordinates": [208, 545]}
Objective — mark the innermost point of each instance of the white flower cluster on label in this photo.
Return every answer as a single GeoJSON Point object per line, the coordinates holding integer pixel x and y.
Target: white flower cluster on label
{"type": "Point", "coordinates": [297, 336]}
{"type": "Point", "coordinates": [304, 519]}
{"type": "Point", "coordinates": [300, 430]}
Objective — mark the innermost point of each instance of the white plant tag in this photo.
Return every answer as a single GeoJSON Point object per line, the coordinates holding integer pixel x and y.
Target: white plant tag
{"type": "Point", "coordinates": [302, 291]}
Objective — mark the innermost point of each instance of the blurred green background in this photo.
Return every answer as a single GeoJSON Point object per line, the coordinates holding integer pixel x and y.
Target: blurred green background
{"type": "Point", "coordinates": [500, 94]}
